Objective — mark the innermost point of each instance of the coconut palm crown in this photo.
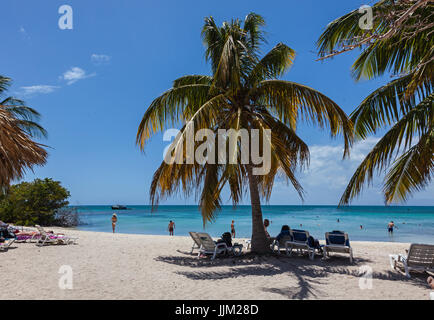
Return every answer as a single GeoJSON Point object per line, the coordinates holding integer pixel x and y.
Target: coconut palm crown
{"type": "Point", "coordinates": [400, 42]}
{"type": "Point", "coordinates": [18, 124]}
{"type": "Point", "coordinates": [243, 92]}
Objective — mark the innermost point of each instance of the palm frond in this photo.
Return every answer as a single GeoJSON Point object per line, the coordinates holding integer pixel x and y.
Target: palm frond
{"type": "Point", "coordinates": [399, 138]}
{"type": "Point", "coordinates": [168, 109]}
{"type": "Point", "coordinates": [397, 54]}
{"type": "Point", "coordinates": [289, 100]}
{"type": "Point", "coordinates": [287, 150]}
{"type": "Point", "coordinates": [345, 31]}
{"type": "Point", "coordinates": [228, 72]}
{"type": "Point", "coordinates": [214, 40]}
{"type": "Point", "coordinates": [386, 105]}
{"type": "Point", "coordinates": [17, 151]}
{"type": "Point", "coordinates": [412, 171]}
{"type": "Point", "coordinates": [394, 43]}
{"type": "Point", "coordinates": [253, 25]}
{"type": "Point", "coordinates": [192, 79]}
{"type": "Point", "coordinates": [273, 65]}
{"type": "Point", "coordinates": [4, 83]}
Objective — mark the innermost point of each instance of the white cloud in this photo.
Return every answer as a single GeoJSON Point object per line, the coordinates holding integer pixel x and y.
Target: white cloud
{"type": "Point", "coordinates": [44, 89]}
{"type": "Point", "coordinates": [328, 175]}
{"type": "Point", "coordinates": [327, 168]}
{"type": "Point", "coordinates": [74, 74]}
{"type": "Point", "coordinates": [100, 58]}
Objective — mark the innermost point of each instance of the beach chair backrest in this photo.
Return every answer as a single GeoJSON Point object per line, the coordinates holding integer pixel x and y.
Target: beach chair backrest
{"type": "Point", "coordinates": [339, 238]}
{"type": "Point", "coordinates": [283, 240]}
{"type": "Point", "coordinates": [195, 237]}
{"type": "Point", "coordinates": [206, 241]}
{"type": "Point", "coordinates": [299, 235]}
{"type": "Point", "coordinates": [421, 255]}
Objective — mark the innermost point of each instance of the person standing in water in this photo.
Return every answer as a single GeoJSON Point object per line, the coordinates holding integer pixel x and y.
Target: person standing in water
{"type": "Point", "coordinates": [171, 227]}
{"type": "Point", "coordinates": [390, 227]}
{"type": "Point", "coordinates": [114, 220]}
{"type": "Point", "coordinates": [233, 229]}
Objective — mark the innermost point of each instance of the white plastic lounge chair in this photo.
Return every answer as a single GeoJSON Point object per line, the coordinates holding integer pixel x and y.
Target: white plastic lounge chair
{"type": "Point", "coordinates": [420, 258]}
{"type": "Point", "coordinates": [249, 243]}
{"type": "Point", "coordinates": [337, 241]}
{"type": "Point", "coordinates": [300, 241]}
{"type": "Point", "coordinates": [208, 246]}
{"type": "Point", "coordinates": [50, 238]}
{"type": "Point", "coordinates": [5, 245]}
{"type": "Point", "coordinates": [196, 241]}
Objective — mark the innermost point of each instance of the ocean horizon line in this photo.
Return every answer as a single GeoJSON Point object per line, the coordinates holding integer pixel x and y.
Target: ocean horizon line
{"type": "Point", "coordinates": [247, 205]}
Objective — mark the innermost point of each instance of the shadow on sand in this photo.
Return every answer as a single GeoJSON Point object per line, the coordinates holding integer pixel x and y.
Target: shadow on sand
{"type": "Point", "coordinates": [307, 272]}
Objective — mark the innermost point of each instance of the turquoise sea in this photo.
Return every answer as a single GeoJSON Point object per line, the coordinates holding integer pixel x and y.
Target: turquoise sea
{"type": "Point", "coordinates": [415, 224]}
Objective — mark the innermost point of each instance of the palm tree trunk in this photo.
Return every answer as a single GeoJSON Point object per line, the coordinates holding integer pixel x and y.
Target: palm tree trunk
{"type": "Point", "coordinates": [259, 239]}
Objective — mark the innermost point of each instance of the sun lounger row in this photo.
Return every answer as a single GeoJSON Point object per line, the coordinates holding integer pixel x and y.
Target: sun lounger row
{"type": "Point", "coordinates": [336, 241]}
{"type": "Point", "coordinates": [50, 238]}
{"type": "Point", "coordinates": [41, 237]}
{"type": "Point", "coordinates": [420, 257]}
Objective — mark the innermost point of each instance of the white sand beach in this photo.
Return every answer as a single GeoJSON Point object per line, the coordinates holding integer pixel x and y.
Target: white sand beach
{"type": "Point", "coordinates": [127, 266]}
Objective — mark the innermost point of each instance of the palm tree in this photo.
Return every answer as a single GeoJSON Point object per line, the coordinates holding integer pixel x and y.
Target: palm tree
{"type": "Point", "coordinates": [399, 42]}
{"type": "Point", "coordinates": [243, 92]}
{"type": "Point", "coordinates": [18, 125]}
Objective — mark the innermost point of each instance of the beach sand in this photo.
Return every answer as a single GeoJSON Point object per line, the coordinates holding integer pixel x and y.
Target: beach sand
{"type": "Point", "coordinates": [128, 266]}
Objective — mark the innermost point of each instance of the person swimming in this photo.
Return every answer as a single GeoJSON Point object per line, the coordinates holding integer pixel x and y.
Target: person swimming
{"type": "Point", "coordinates": [233, 229]}
{"type": "Point", "coordinates": [171, 227]}
{"type": "Point", "coordinates": [114, 220]}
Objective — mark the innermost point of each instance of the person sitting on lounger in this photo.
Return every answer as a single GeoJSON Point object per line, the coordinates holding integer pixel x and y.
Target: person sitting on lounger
{"type": "Point", "coordinates": [26, 233]}
{"type": "Point", "coordinates": [284, 232]}
{"type": "Point", "coordinates": [266, 224]}
{"type": "Point", "coordinates": [314, 243]}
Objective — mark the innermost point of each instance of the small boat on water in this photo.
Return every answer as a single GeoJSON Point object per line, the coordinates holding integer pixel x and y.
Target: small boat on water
{"type": "Point", "coordinates": [119, 207]}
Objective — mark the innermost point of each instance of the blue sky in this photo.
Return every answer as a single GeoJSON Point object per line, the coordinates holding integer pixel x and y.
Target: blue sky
{"type": "Point", "coordinates": [93, 83]}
